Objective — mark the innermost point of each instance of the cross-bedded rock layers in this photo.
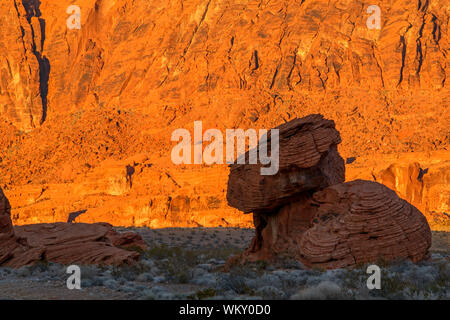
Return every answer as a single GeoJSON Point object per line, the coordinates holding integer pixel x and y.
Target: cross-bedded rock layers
{"type": "Point", "coordinates": [318, 165]}
{"type": "Point", "coordinates": [77, 107]}
{"type": "Point", "coordinates": [63, 242]}
{"type": "Point", "coordinates": [324, 222]}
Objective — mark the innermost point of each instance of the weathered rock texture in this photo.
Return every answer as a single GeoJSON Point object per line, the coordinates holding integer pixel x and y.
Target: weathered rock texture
{"type": "Point", "coordinates": [306, 212]}
{"type": "Point", "coordinates": [362, 221]}
{"type": "Point", "coordinates": [63, 243]}
{"type": "Point", "coordinates": [308, 160]}
{"type": "Point", "coordinates": [13, 248]}
{"type": "Point", "coordinates": [421, 179]}
{"type": "Point", "coordinates": [426, 187]}
{"type": "Point", "coordinates": [79, 106]}
{"type": "Point", "coordinates": [79, 243]}
{"type": "Point", "coordinates": [342, 226]}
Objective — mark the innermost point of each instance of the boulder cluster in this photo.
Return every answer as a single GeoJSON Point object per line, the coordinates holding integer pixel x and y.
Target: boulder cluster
{"type": "Point", "coordinates": [307, 212]}
{"type": "Point", "coordinates": [64, 243]}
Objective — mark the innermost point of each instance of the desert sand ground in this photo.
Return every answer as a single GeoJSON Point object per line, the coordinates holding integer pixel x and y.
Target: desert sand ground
{"type": "Point", "coordinates": [186, 263]}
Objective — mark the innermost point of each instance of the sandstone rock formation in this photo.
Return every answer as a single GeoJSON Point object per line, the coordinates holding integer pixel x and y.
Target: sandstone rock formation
{"type": "Point", "coordinates": [63, 243]}
{"type": "Point", "coordinates": [343, 225]}
{"type": "Point", "coordinates": [426, 187]}
{"type": "Point", "coordinates": [79, 243]}
{"type": "Point", "coordinates": [13, 248]}
{"type": "Point", "coordinates": [308, 160]}
{"type": "Point", "coordinates": [360, 222]}
{"type": "Point", "coordinates": [78, 106]}
{"type": "Point", "coordinates": [5, 215]}
{"type": "Point", "coordinates": [329, 224]}
{"type": "Point", "coordinates": [422, 179]}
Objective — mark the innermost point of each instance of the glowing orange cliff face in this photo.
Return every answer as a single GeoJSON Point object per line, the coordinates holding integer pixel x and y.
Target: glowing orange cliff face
{"type": "Point", "coordinates": [87, 112]}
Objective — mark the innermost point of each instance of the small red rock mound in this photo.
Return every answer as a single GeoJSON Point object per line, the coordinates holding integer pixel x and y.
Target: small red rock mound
{"type": "Point", "coordinates": [63, 242]}
{"type": "Point", "coordinates": [308, 160]}
{"type": "Point", "coordinates": [306, 212]}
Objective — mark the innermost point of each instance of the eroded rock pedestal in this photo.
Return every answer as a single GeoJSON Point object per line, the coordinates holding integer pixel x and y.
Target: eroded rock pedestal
{"type": "Point", "coordinates": [63, 242]}
{"type": "Point", "coordinates": [335, 225]}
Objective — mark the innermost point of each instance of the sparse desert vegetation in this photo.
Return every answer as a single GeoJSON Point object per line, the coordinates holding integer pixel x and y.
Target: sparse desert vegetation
{"type": "Point", "coordinates": [191, 267]}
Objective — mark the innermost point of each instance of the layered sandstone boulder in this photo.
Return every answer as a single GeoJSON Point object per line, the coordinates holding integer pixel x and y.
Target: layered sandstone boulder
{"type": "Point", "coordinates": [308, 160]}
{"type": "Point", "coordinates": [79, 243]}
{"type": "Point", "coordinates": [311, 215]}
{"type": "Point", "coordinates": [363, 221]}
{"type": "Point", "coordinates": [342, 226]}
{"type": "Point", "coordinates": [63, 242]}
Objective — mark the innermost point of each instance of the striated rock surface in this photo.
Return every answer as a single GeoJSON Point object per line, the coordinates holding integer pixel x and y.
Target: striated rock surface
{"type": "Point", "coordinates": [425, 186]}
{"type": "Point", "coordinates": [63, 243]}
{"type": "Point", "coordinates": [308, 160]}
{"type": "Point", "coordinates": [422, 179]}
{"type": "Point", "coordinates": [80, 243]}
{"type": "Point", "coordinates": [324, 222]}
{"type": "Point", "coordinates": [79, 106]}
{"type": "Point", "coordinates": [14, 251]}
{"type": "Point", "coordinates": [342, 226]}
{"type": "Point", "coordinates": [24, 68]}
{"type": "Point", "coordinates": [214, 48]}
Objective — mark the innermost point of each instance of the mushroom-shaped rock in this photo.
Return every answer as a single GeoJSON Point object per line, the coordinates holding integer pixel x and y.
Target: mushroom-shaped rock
{"type": "Point", "coordinates": [308, 160]}
{"type": "Point", "coordinates": [342, 226]}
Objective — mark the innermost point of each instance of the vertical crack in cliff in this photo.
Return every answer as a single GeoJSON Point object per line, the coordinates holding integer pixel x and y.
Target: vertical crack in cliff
{"type": "Point", "coordinates": [378, 65]}
{"type": "Point", "coordinates": [436, 29]}
{"type": "Point", "coordinates": [419, 52]}
{"type": "Point", "coordinates": [32, 8]}
{"type": "Point", "coordinates": [22, 37]}
{"type": "Point", "coordinates": [294, 62]}
{"type": "Point", "coordinates": [403, 48]}
{"type": "Point", "coordinates": [275, 74]}
{"type": "Point", "coordinates": [437, 37]}
{"type": "Point", "coordinates": [422, 6]}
